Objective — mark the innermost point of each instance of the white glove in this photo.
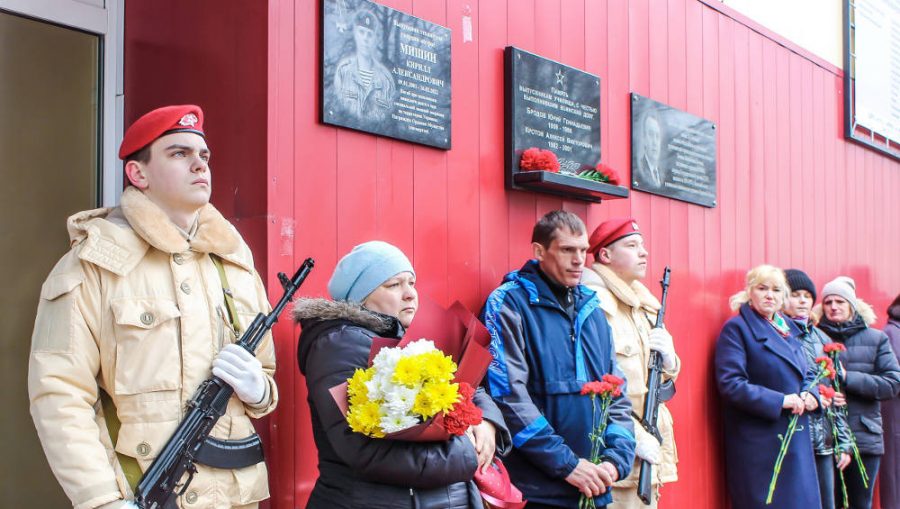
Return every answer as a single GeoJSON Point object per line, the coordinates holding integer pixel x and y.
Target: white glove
{"type": "Point", "coordinates": [649, 450]}
{"type": "Point", "coordinates": [119, 504]}
{"type": "Point", "coordinates": [661, 341]}
{"type": "Point", "coordinates": [243, 372]}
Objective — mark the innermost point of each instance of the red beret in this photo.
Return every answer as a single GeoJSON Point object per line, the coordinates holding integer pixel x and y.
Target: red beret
{"type": "Point", "coordinates": [612, 230]}
{"type": "Point", "coordinates": [184, 118]}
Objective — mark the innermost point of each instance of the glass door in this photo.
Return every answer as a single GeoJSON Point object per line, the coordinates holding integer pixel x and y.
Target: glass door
{"type": "Point", "coordinates": [54, 122]}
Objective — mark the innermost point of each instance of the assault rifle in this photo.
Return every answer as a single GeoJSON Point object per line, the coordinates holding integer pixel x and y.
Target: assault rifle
{"type": "Point", "coordinates": [656, 392]}
{"type": "Point", "coordinates": [159, 487]}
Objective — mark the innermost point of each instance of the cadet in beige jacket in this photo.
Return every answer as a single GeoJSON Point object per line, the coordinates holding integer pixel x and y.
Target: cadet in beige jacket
{"type": "Point", "coordinates": [620, 264]}
{"type": "Point", "coordinates": [136, 309]}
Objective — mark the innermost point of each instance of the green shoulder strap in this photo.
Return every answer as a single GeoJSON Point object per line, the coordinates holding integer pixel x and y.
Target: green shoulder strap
{"type": "Point", "coordinates": [129, 465]}
{"type": "Point", "coordinates": [229, 297]}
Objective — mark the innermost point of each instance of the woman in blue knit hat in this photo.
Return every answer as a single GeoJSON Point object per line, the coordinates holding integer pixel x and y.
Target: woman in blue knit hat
{"type": "Point", "coordinates": [374, 295]}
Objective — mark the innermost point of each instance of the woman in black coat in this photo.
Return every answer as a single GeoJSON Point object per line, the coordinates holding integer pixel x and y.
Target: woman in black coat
{"type": "Point", "coordinates": [890, 473]}
{"type": "Point", "coordinates": [870, 375]}
{"type": "Point", "coordinates": [374, 296]}
{"type": "Point", "coordinates": [761, 370]}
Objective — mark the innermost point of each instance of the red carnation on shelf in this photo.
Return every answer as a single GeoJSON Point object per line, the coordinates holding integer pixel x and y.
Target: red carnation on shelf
{"type": "Point", "coordinates": [612, 176]}
{"type": "Point", "coordinates": [535, 159]}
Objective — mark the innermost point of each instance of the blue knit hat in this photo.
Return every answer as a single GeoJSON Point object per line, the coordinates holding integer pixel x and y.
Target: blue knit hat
{"type": "Point", "coordinates": [365, 268]}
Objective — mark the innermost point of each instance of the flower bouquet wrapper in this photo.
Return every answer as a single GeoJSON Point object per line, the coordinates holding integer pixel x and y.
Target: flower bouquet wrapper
{"type": "Point", "coordinates": [496, 488]}
{"type": "Point", "coordinates": [454, 331]}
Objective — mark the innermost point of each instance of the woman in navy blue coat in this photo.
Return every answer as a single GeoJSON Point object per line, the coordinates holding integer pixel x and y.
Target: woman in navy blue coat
{"type": "Point", "coordinates": [760, 371]}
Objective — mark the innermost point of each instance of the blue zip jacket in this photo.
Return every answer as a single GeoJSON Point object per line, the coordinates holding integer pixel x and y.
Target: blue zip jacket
{"type": "Point", "coordinates": [542, 357]}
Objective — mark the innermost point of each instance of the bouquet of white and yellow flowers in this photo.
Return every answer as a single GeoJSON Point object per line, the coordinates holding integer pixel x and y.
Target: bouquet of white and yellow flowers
{"type": "Point", "coordinates": [404, 387]}
{"type": "Point", "coordinates": [420, 389]}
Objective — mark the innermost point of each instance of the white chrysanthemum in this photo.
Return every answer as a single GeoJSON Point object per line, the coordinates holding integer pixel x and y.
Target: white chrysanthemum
{"type": "Point", "coordinates": [375, 388]}
{"type": "Point", "coordinates": [400, 399]}
{"type": "Point", "coordinates": [418, 346]}
{"type": "Point", "coordinates": [386, 359]}
{"type": "Point", "coordinates": [397, 422]}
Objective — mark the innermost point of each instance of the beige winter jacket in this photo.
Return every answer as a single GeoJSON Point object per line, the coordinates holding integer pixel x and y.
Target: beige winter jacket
{"type": "Point", "coordinates": [631, 312]}
{"type": "Point", "coordinates": [137, 310]}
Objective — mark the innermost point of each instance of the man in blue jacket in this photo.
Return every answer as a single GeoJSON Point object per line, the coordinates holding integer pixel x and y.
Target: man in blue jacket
{"type": "Point", "coordinates": [549, 337]}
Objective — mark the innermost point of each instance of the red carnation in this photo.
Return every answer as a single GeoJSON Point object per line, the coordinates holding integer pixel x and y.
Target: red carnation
{"type": "Point", "coordinates": [589, 388]}
{"type": "Point", "coordinates": [614, 380]}
{"type": "Point", "coordinates": [535, 159]}
{"type": "Point", "coordinates": [612, 176]}
{"type": "Point", "coordinates": [834, 347]}
{"type": "Point", "coordinates": [826, 392]}
{"type": "Point", "coordinates": [464, 413]}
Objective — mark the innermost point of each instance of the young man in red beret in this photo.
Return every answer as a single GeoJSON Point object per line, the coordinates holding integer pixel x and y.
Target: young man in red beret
{"type": "Point", "coordinates": [620, 263]}
{"type": "Point", "coordinates": [134, 317]}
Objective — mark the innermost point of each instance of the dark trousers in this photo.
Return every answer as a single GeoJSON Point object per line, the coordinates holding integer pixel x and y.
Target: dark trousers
{"type": "Point", "coordinates": [825, 469]}
{"type": "Point", "coordinates": [859, 496]}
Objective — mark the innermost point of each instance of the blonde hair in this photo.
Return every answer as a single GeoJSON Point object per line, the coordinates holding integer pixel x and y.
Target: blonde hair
{"type": "Point", "coordinates": [756, 275]}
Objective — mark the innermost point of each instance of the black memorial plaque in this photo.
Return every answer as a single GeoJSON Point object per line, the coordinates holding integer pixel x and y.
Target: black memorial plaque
{"type": "Point", "coordinates": [385, 72]}
{"type": "Point", "coordinates": [554, 107]}
{"type": "Point", "coordinates": [673, 153]}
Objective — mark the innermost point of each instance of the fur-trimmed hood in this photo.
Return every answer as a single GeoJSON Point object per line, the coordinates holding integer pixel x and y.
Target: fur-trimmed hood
{"type": "Point", "coordinates": [862, 308]}
{"type": "Point", "coordinates": [307, 310]}
{"type": "Point", "coordinates": [214, 233]}
{"type": "Point", "coordinates": [117, 238]}
{"type": "Point", "coordinates": [600, 277]}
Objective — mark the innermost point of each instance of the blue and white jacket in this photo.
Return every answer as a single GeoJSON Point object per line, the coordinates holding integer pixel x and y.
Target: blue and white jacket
{"type": "Point", "coordinates": [542, 357]}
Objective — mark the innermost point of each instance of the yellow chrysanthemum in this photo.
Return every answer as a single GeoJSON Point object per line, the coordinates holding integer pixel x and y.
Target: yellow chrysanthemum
{"type": "Point", "coordinates": [365, 418]}
{"type": "Point", "coordinates": [435, 398]}
{"type": "Point", "coordinates": [438, 367]}
{"type": "Point", "coordinates": [356, 386]}
{"type": "Point", "coordinates": [408, 371]}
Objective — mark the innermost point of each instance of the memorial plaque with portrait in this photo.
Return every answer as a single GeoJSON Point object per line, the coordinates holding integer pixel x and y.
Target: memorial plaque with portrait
{"type": "Point", "coordinates": [552, 106]}
{"type": "Point", "coordinates": [385, 72]}
{"type": "Point", "coordinates": [673, 153]}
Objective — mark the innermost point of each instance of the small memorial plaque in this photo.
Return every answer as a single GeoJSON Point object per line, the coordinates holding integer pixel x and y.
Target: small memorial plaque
{"type": "Point", "coordinates": [673, 153]}
{"type": "Point", "coordinates": [385, 72]}
{"type": "Point", "coordinates": [553, 106]}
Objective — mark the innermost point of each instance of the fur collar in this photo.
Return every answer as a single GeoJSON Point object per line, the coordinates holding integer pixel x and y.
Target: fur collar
{"type": "Point", "coordinates": [863, 309]}
{"type": "Point", "coordinates": [214, 233]}
{"type": "Point", "coordinates": [635, 296]}
{"type": "Point", "coordinates": [306, 309]}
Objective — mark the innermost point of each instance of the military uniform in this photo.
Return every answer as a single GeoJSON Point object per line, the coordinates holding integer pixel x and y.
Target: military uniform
{"type": "Point", "coordinates": [136, 309]}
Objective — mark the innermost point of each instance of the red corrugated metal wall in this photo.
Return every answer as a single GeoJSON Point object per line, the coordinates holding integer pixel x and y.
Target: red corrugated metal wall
{"type": "Point", "coordinates": [791, 191]}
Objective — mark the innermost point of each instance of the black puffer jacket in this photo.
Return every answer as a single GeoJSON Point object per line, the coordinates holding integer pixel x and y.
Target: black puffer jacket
{"type": "Point", "coordinates": [820, 431]}
{"type": "Point", "coordinates": [357, 471]}
{"type": "Point", "coordinates": [872, 375]}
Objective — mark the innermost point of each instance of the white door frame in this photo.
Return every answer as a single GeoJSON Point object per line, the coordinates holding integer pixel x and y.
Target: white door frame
{"type": "Point", "coordinates": [105, 18]}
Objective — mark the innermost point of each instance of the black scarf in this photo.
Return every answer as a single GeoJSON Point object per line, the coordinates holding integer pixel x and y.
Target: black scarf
{"type": "Point", "coordinates": [844, 330]}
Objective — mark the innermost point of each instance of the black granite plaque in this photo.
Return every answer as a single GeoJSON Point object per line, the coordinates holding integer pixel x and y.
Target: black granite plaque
{"type": "Point", "coordinates": [673, 153]}
{"type": "Point", "coordinates": [551, 106]}
{"type": "Point", "coordinates": [385, 72]}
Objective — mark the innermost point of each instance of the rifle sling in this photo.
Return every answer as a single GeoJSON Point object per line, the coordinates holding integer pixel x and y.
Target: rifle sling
{"type": "Point", "coordinates": [229, 296]}
{"type": "Point", "coordinates": [129, 465]}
